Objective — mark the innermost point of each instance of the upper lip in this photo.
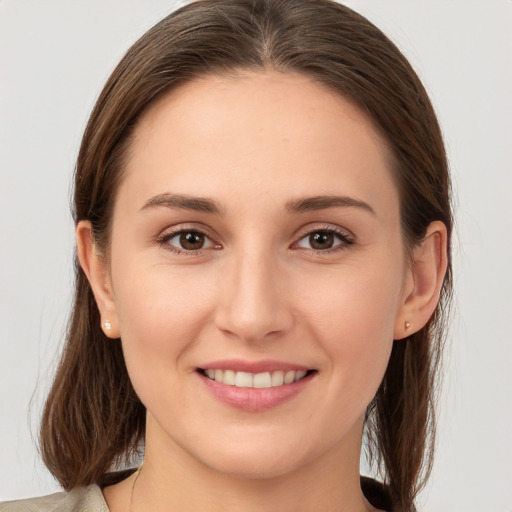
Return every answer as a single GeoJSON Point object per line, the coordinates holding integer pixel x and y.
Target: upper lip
{"type": "Point", "coordinates": [241, 365]}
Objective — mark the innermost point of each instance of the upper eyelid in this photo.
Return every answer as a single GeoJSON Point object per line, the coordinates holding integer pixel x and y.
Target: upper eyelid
{"type": "Point", "coordinates": [170, 232]}
{"type": "Point", "coordinates": [180, 228]}
{"type": "Point", "coordinates": [309, 229]}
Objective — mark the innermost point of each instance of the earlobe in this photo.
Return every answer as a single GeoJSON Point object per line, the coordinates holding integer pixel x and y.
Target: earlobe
{"type": "Point", "coordinates": [424, 281]}
{"type": "Point", "coordinates": [95, 267]}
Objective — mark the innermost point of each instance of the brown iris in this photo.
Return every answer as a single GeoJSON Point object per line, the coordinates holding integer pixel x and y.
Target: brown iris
{"type": "Point", "coordinates": [192, 240]}
{"type": "Point", "coordinates": [321, 240]}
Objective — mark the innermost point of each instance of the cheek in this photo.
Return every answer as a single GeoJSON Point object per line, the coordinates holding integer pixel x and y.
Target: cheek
{"type": "Point", "coordinates": [159, 315]}
{"type": "Point", "coordinates": [360, 298]}
{"type": "Point", "coordinates": [353, 318]}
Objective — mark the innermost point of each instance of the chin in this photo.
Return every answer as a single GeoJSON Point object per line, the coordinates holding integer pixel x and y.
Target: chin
{"type": "Point", "coordinates": [254, 468]}
{"type": "Point", "coordinates": [252, 461]}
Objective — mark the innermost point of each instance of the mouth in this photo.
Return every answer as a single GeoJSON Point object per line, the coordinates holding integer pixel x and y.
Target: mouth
{"type": "Point", "coordinates": [241, 379]}
{"type": "Point", "coordinates": [255, 386]}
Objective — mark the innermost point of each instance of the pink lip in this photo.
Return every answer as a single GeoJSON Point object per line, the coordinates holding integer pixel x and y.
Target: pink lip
{"type": "Point", "coordinates": [240, 365]}
{"type": "Point", "coordinates": [254, 399]}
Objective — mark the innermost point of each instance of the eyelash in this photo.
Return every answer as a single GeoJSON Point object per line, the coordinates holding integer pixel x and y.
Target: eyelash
{"type": "Point", "coordinates": [344, 240]}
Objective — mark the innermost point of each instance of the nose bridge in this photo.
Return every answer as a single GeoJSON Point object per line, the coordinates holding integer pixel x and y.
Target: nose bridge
{"type": "Point", "coordinates": [253, 303]}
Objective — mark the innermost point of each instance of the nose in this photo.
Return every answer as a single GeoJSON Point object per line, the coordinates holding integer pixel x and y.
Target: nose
{"type": "Point", "coordinates": [253, 298]}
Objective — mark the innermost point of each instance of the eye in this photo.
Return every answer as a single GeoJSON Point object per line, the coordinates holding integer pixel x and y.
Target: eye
{"type": "Point", "coordinates": [324, 239]}
{"type": "Point", "coordinates": [187, 240]}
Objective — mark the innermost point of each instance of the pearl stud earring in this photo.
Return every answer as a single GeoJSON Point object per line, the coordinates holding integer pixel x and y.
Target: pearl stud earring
{"type": "Point", "coordinates": [108, 325]}
{"type": "Point", "coordinates": [407, 325]}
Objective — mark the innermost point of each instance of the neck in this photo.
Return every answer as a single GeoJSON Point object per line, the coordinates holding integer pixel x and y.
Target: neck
{"type": "Point", "coordinates": [171, 479]}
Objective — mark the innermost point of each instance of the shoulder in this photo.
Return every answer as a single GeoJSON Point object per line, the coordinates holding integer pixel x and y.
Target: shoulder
{"type": "Point", "coordinates": [80, 499]}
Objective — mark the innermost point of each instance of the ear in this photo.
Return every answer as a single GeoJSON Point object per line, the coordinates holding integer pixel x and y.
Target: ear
{"type": "Point", "coordinates": [423, 281]}
{"type": "Point", "coordinates": [95, 266]}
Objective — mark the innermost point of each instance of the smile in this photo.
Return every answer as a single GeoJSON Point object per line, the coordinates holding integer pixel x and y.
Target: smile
{"type": "Point", "coordinates": [255, 386]}
{"type": "Point", "coordinates": [254, 380]}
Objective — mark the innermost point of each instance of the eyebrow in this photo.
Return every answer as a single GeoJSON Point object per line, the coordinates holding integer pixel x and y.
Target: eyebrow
{"type": "Point", "coordinates": [184, 202]}
{"type": "Point", "coordinates": [206, 205]}
{"type": "Point", "coordinates": [323, 202]}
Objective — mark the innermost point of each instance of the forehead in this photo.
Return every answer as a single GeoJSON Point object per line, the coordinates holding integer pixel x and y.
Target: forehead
{"type": "Point", "coordinates": [275, 132]}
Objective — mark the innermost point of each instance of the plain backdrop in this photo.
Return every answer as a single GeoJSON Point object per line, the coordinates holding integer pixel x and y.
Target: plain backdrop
{"type": "Point", "coordinates": [54, 59]}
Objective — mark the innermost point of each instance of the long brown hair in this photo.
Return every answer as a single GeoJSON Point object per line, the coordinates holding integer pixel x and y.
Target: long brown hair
{"type": "Point", "coordinates": [93, 420]}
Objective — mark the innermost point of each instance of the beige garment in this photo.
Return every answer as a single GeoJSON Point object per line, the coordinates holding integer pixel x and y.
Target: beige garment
{"type": "Point", "coordinates": [80, 499]}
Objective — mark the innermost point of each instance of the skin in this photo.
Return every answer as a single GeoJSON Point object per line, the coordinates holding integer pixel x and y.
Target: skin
{"type": "Point", "coordinates": [257, 290]}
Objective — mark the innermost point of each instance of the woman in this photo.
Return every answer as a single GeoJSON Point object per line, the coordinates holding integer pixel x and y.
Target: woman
{"type": "Point", "coordinates": [263, 227]}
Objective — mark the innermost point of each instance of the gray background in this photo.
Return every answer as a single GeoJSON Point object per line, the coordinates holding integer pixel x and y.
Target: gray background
{"type": "Point", "coordinates": [54, 58]}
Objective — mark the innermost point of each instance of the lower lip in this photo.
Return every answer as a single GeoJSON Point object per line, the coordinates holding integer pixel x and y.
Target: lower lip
{"type": "Point", "coordinates": [255, 399]}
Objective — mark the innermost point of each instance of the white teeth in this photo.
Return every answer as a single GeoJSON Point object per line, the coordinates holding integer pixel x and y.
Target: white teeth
{"type": "Point", "coordinates": [262, 380]}
{"type": "Point", "coordinates": [277, 378]}
{"type": "Point", "coordinates": [243, 380]}
{"type": "Point", "coordinates": [229, 377]}
{"type": "Point", "coordinates": [255, 380]}
{"type": "Point", "coordinates": [289, 377]}
{"type": "Point", "coordinates": [299, 375]}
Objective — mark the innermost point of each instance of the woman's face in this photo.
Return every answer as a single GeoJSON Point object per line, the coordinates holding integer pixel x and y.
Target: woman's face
{"type": "Point", "coordinates": [256, 240]}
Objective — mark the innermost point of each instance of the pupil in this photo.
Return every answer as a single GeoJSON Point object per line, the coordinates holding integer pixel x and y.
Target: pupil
{"type": "Point", "coordinates": [192, 240]}
{"type": "Point", "coordinates": [321, 240]}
